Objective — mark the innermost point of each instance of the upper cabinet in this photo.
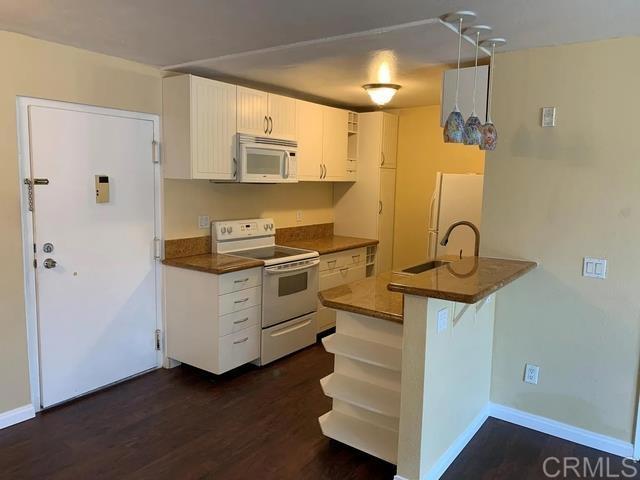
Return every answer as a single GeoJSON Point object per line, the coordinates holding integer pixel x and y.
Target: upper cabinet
{"type": "Point", "coordinates": [309, 125]}
{"type": "Point", "coordinates": [465, 95]}
{"type": "Point", "coordinates": [199, 127]}
{"type": "Point", "coordinates": [389, 149]}
{"type": "Point", "coordinates": [334, 143]}
{"type": "Point", "coordinates": [265, 114]}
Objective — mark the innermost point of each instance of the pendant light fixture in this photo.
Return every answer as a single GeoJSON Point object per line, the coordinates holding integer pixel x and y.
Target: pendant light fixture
{"type": "Point", "coordinates": [489, 138]}
{"type": "Point", "coordinates": [454, 126]}
{"type": "Point", "coordinates": [473, 126]}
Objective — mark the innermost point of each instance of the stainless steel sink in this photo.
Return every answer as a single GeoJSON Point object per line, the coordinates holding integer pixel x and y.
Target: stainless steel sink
{"type": "Point", "coordinates": [423, 267]}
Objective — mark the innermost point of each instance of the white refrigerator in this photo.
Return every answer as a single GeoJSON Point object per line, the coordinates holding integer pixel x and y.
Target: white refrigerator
{"type": "Point", "coordinates": [456, 197]}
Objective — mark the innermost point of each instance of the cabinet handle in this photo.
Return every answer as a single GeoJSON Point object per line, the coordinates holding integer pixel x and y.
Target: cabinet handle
{"type": "Point", "coordinates": [325, 170]}
{"type": "Point", "coordinates": [241, 321]}
{"type": "Point", "coordinates": [242, 301]}
{"type": "Point", "coordinates": [321, 171]}
{"type": "Point", "coordinates": [242, 280]}
{"type": "Point", "coordinates": [241, 341]}
{"type": "Point", "coordinates": [332, 261]}
{"type": "Point", "coordinates": [380, 207]}
{"type": "Point", "coordinates": [383, 159]}
{"type": "Point", "coordinates": [270, 125]}
{"type": "Point", "coordinates": [235, 168]}
{"type": "Point", "coordinates": [266, 124]}
{"type": "Point", "coordinates": [344, 270]}
{"type": "Point", "coordinates": [355, 258]}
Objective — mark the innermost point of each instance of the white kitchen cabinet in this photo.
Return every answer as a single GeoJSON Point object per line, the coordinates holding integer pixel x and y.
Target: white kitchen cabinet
{"type": "Point", "coordinates": [266, 114]}
{"type": "Point", "coordinates": [338, 269]}
{"type": "Point", "coordinates": [199, 127]}
{"type": "Point", "coordinates": [334, 143]}
{"type": "Point", "coordinates": [465, 98]}
{"type": "Point", "coordinates": [389, 150]}
{"type": "Point", "coordinates": [309, 126]}
{"type": "Point", "coordinates": [213, 321]}
{"type": "Point", "coordinates": [366, 208]}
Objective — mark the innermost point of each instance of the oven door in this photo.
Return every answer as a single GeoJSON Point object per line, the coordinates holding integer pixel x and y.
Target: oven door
{"type": "Point", "coordinates": [264, 164]}
{"type": "Point", "coordinates": [289, 291]}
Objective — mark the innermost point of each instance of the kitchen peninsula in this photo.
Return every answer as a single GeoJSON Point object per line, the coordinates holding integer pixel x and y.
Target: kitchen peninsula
{"type": "Point", "coordinates": [425, 337]}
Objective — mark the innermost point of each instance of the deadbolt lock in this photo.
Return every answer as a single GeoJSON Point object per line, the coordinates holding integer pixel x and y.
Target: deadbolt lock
{"type": "Point", "coordinates": [47, 248]}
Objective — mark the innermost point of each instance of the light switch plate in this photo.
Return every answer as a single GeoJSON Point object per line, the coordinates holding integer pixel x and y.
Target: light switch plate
{"type": "Point", "coordinates": [548, 116]}
{"type": "Point", "coordinates": [443, 319]}
{"type": "Point", "coordinates": [203, 221]}
{"type": "Point", "coordinates": [594, 267]}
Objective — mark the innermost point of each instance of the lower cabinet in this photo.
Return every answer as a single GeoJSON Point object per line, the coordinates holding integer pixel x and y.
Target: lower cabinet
{"type": "Point", "coordinates": [339, 269]}
{"type": "Point", "coordinates": [213, 321]}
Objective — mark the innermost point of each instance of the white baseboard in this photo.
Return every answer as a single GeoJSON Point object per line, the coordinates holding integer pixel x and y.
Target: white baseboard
{"type": "Point", "coordinates": [16, 415]}
{"type": "Point", "coordinates": [562, 430]}
{"type": "Point", "coordinates": [447, 458]}
{"type": "Point", "coordinates": [398, 477]}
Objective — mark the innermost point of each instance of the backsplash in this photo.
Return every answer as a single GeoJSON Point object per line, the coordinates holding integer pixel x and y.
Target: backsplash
{"type": "Point", "coordinates": [305, 232]}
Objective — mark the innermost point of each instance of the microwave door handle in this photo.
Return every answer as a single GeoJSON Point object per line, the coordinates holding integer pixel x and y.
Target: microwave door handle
{"type": "Point", "coordinates": [286, 164]}
{"type": "Point", "coordinates": [276, 270]}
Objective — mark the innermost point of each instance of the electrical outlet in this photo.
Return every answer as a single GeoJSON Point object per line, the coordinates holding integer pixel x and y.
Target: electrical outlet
{"type": "Point", "coordinates": [203, 221]}
{"type": "Point", "coordinates": [548, 117]}
{"type": "Point", "coordinates": [531, 373]}
{"type": "Point", "coordinates": [299, 216]}
{"type": "Point", "coordinates": [443, 320]}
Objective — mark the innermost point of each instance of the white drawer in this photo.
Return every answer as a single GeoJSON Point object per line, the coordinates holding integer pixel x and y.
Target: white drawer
{"type": "Point", "coordinates": [239, 348]}
{"type": "Point", "coordinates": [288, 337]}
{"type": "Point", "coordinates": [341, 276]}
{"type": "Point", "coordinates": [234, 281]}
{"type": "Point", "coordinates": [234, 322]}
{"type": "Point", "coordinates": [334, 261]}
{"type": "Point", "coordinates": [232, 302]}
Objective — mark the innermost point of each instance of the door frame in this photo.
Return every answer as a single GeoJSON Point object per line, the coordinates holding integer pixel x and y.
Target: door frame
{"type": "Point", "coordinates": [24, 161]}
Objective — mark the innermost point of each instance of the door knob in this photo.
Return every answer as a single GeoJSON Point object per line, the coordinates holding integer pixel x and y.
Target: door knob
{"type": "Point", "coordinates": [50, 263]}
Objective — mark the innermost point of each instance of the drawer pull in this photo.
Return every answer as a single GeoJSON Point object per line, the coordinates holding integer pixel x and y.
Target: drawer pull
{"type": "Point", "coordinates": [242, 280]}
{"type": "Point", "coordinates": [291, 328]}
{"type": "Point", "coordinates": [331, 261]}
{"type": "Point", "coordinates": [241, 321]}
{"type": "Point", "coordinates": [344, 270]}
{"type": "Point", "coordinates": [241, 341]}
{"type": "Point", "coordinates": [355, 257]}
{"type": "Point", "coordinates": [242, 301]}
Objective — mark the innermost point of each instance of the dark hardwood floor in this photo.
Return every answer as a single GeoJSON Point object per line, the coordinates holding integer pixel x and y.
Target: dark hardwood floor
{"type": "Point", "coordinates": [249, 424]}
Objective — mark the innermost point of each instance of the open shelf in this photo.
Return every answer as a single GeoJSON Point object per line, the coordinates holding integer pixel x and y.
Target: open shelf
{"type": "Point", "coordinates": [369, 438]}
{"type": "Point", "coordinates": [364, 351]}
{"type": "Point", "coordinates": [362, 394]}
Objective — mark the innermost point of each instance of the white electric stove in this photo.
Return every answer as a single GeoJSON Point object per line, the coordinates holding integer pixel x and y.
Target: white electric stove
{"type": "Point", "coordinates": [289, 283]}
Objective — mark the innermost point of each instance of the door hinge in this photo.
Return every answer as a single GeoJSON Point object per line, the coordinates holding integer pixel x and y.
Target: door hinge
{"type": "Point", "coordinates": [155, 149]}
{"type": "Point", "coordinates": [158, 340]}
{"type": "Point", "coordinates": [157, 248]}
{"type": "Point", "coordinates": [35, 263]}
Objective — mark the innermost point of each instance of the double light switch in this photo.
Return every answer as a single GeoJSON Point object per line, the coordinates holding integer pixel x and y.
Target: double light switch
{"type": "Point", "coordinates": [594, 267]}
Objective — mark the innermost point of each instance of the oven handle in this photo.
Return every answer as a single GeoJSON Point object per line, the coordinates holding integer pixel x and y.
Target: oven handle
{"type": "Point", "coordinates": [291, 328]}
{"type": "Point", "coordinates": [276, 270]}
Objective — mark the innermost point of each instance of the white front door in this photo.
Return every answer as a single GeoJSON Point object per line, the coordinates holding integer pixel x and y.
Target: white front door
{"type": "Point", "coordinates": [96, 307]}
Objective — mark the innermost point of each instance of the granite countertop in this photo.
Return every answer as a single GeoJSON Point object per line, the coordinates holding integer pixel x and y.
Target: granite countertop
{"type": "Point", "coordinates": [213, 263]}
{"type": "Point", "coordinates": [328, 244]}
{"type": "Point", "coordinates": [369, 297]}
{"type": "Point", "coordinates": [468, 280]}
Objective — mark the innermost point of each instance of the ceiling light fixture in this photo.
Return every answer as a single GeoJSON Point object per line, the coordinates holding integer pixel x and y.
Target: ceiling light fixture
{"type": "Point", "coordinates": [489, 138]}
{"type": "Point", "coordinates": [454, 126]}
{"type": "Point", "coordinates": [381, 93]}
{"type": "Point", "coordinates": [473, 127]}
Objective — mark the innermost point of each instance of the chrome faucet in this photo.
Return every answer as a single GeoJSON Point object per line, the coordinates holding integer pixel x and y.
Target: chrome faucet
{"type": "Point", "coordinates": [445, 239]}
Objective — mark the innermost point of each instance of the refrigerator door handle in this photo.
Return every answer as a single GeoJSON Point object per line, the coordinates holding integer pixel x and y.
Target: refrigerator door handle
{"type": "Point", "coordinates": [433, 201]}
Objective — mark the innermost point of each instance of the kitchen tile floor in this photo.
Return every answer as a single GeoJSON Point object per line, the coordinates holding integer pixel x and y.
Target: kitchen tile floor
{"type": "Point", "coordinates": [249, 424]}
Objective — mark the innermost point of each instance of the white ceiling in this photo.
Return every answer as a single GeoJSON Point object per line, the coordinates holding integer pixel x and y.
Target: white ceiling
{"type": "Point", "coordinates": [192, 35]}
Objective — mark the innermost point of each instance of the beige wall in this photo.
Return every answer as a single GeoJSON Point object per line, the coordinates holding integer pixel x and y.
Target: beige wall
{"type": "Point", "coordinates": [41, 69]}
{"type": "Point", "coordinates": [421, 154]}
{"type": "Point", "coordinates": [556, 195]}
{"type": "Point", "coordinates": [186, 199]}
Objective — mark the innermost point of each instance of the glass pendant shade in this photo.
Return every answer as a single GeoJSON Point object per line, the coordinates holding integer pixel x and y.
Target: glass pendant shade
{"type": "Point", "coordinates": [453, 131]}
{"type": "Point", "coordinates": [472, 130]}
{"type": "Point", "coordinates": [488, 137]}
{"type": "Point", "coordinates": [381, 93]}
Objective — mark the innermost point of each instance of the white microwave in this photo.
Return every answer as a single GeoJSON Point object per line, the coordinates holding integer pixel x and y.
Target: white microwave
{"type": "Point", "coordinates": [267, 160]}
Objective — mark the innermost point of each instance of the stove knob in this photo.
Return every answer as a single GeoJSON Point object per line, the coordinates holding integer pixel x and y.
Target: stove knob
{"type": "Point", "coordinates": [230, 229]}
{"type": "Point", "coordinates": [266, 226]}
{"type": "Point", "coordinates": [271, 226]}
{"type": "Point", "coordinates": [223, 230]}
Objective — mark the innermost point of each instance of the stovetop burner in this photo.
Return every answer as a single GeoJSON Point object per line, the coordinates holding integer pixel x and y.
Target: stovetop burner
{"type": "Point", "coordinates": [269, 253]}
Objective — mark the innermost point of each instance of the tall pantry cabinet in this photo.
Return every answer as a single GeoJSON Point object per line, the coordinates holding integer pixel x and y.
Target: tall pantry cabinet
{"type": "Point", "coordinates": [366, 208]}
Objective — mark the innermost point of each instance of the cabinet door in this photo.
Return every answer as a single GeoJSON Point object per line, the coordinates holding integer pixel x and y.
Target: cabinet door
{"type": "Point", "coordinates": [282, 117]}
{"type": "Point", "coordinates": [334, 143]}
{"type": "Point", "coordinates": [386, 215]}
{"type": "Point", "coordinates": [253, 108]}
{"type": "Point", "coordinates": [309, 126]}
{"type": "Point", "coordinates": [389, 141]}
{"type": "Point", "coordinates": [213, 129]}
